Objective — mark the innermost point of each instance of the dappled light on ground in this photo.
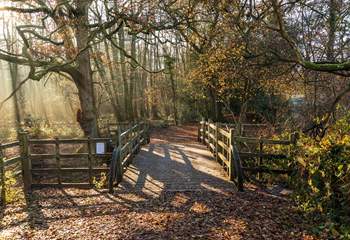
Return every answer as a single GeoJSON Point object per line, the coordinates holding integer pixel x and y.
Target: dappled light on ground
{"type": "Point", "coordinates": [170, 191]}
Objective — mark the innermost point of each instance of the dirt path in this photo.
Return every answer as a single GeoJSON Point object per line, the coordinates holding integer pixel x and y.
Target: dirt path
{"type": "Point", "coordinates": [173, 190]}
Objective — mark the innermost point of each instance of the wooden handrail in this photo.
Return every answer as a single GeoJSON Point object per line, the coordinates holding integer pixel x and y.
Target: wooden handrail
{"type": "Point", "coordinates": [223, 143]}
{"type": "Point", "coordinates": [128, 144]}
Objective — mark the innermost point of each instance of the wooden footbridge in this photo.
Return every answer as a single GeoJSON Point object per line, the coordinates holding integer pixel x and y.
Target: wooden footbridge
{"type": "Point", "coordinates": [131, 162]}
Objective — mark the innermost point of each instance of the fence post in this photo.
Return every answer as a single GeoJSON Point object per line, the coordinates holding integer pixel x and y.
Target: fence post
{"type": "Point", "coordinates": [138, 131]}
{"type": "Point", "coordinates": [119, 166]}
{"type": "Point", "coordinates": [209, 122]}
{"type": "Point", "coordinates": [90, 160]}
{"type": "Point", "coordinates": [58, 160]}
{"type": "Point", "coordinates": [216, 141]}
{"type": "Point", "coordinates": [2, 178]}
{"type": "Point", "coordinates": [203, 130]}
{"type": "Point", "coordinates": [260, 159]}
{"type": "Point", "coordinates": [235, 163]}
{"type": "Point", "coordinates": [293, 138]}
{"type": "Point", "coordinates": [26, 163]}
{"type": "Point", "coordinates": [231, 172]}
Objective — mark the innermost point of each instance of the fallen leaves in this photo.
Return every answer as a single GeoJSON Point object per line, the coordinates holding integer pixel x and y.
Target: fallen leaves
{"type": "Point", "coordinates": [91, 214]}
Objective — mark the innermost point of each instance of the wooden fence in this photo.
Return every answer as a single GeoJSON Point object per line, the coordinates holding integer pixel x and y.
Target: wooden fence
{"type": "Point", "coordinates": [31, 164]}
{"type": "Point", "coordinates": [226, 147]}
{"type": "Point", "coordinates": [128, 144]}
{"type": "Point", "coordinates": [13, 163]}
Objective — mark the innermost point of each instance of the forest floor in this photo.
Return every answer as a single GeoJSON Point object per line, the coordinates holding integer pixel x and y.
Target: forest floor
{"type": "Point", "coordinates": [173, 190]}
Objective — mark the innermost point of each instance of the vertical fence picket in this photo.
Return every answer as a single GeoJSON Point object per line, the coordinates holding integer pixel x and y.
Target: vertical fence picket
{"type": "Point", "coordinates": [2, 177]}
{"type": "Point", "coordinates": [89, 143]}
{"type": "Point", "coordinates": [260, 159]}
{"type": "Point", "coordinates": [58, 160]}
{"type": "Point", "coordinates": [216, 142]}
{"type": "Point", "coordinates": [230, 156]}
{"type": "Point", "coordinates": [26, 162]}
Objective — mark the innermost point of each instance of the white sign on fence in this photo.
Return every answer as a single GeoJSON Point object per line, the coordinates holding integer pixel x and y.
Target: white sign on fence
{"type": "Point", "coordinates": [100, 148]}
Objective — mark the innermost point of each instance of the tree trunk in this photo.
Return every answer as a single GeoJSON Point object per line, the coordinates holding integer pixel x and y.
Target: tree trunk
{"type": "Point", "coordinates": [121, 37]}
{"type": "Point", "coordinates": [84, 80]}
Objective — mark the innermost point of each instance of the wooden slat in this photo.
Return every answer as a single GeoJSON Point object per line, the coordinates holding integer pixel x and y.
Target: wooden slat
{"type": "Point", "coordinates": [212, 146]}
{"type": "Point", "coordinates": [73, 141]}
{"type": "Point", "coordinates": [265, 141]}
{"type": "Point", "coordinates": [223, 145]}
{"type": "Point", "coordinates": [41, 141]}
{"type": "Point", "coordinates": [41, 156]}
{"type": "Point", "coordinates": [224, 133]}
{"type": "Point", "coordinates": [78, 169]}
{"type": "Point", "coordinates": [10, 145]}
{"type": "Point", "coordinates": [74, 155]}
{"type": "Point", "coordinates": [212, 136]}
{"type": "Point", "coordinates": [264, 155]}
{"type": "Point", "coordinates": [267, 170]}
{"type": "Point", "coordinates": [77, 185]}
{"type": "Point", "coordinates": [223, 158]}
{"type": "Point", "coordinates": [102, 155]}
{"type": "Point", "coordinates": [11, 161]}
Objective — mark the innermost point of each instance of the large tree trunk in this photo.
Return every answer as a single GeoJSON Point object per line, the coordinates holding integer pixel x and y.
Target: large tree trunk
{"type": "Point", "coordinates": [83, 80]}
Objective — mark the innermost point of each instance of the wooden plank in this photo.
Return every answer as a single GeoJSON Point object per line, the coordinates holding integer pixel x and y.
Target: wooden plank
{"type": "Point", "coordinates": [10, 145]}
{"type": "Point", "coordinates": [212, 146]}
{"type": "Point", "coordinates": [96, 155]}
{"type": "Point", "coordinates": [11, 161]}
{"type": "Point", "coordinates": [267, 170]}
{"type": "Point", "coordinates": [42, 156]}
{"type": "Point", "coordinates": [224, 133]}
{"type": "Point", "coordinates": [75, 169]}
{"type": "Point", "coordinates": [211, 136]}
{"type": "Point", "coordinates": [2, 178]}
{"type": "Point", "coordinates": [260, 159]}
{"type": "Point", "coordinates": [45, 185]}
{"type": "Point", "coordinates": [265, 141]}
{"type": "Point", "coordinates": [264, 155]}
{"type": "Point", "coordinates": [41, 141]}
{"type": "Point", "coordinates": [26, 162]}
{"type": "Point", "coordinates": [90, 160]}
{"type": "Point", "coordinates": [74, 155]}
{"type": "Point", "coordinates": [224, 159]}
{"type": "Point", "coordinates": [212, 126]}
{"type": "Point", "coordinates": [223, 145]}
{"type": "Point", "coordinates": [58, 160]}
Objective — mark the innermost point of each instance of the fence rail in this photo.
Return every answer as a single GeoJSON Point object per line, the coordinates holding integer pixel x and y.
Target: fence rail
{"type": "Point", "coordinates": [222, 140]}
{"type": "Point", "coordinates": [128, 144]}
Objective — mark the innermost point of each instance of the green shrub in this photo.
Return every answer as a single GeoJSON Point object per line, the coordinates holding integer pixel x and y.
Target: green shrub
{"type": "Point", "coordinates": [324, 182]}
{"type": "Point", "coordinates": [101, 181]}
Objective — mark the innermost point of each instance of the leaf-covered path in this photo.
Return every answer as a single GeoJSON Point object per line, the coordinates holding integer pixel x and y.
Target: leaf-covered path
{"type": "Point", "coordinates": [173, 190]}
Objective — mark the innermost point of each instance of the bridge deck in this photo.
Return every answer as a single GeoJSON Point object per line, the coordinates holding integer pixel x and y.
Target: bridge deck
{"type": "Point", "coordinates": [175, 167]}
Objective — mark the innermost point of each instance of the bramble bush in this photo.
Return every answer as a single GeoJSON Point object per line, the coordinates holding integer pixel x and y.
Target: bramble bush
{"type": "Point", "coordinates": [323, 183]}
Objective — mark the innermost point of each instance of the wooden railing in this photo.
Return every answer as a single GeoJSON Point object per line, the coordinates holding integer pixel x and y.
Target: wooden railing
{"type": "Point", "coordinates": [34, 160]}
{"type": "Point", "coordinates": [226, 147]}
{"type": "Point", "coordinates": [32, 164]}
{"type": "Point", "coordinates": [13, 163]}
{"type": "Point", "coordinates": [128, 144]}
